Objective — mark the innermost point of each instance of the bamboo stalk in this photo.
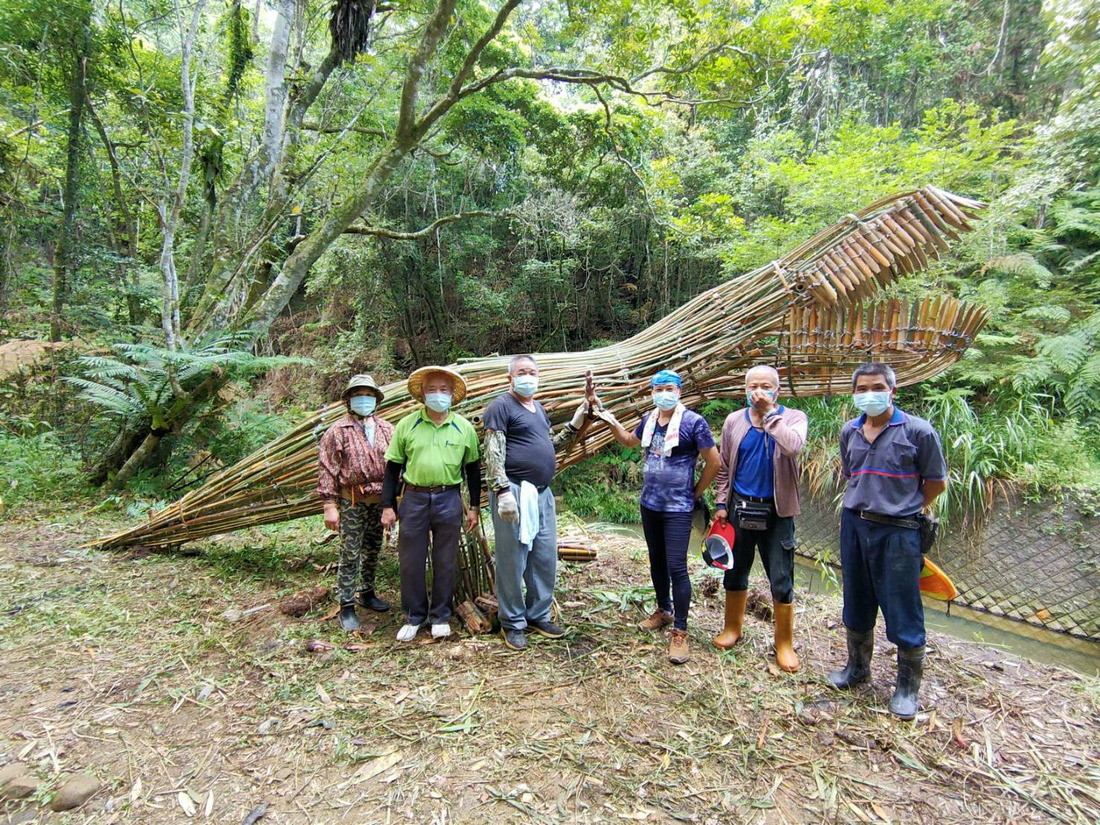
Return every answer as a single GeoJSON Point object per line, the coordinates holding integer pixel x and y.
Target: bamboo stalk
{"type": "Point", "coordinates": [812, 301]}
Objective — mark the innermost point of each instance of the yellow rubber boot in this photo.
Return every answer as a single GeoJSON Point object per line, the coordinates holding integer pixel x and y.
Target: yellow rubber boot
{"type": "Point", "coordinates": [735, 617]}
{"type": "Point", "coordinates": [785, 656]}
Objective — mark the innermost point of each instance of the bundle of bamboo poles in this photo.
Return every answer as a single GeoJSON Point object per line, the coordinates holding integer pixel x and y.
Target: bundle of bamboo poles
{"type": "Point", "coordinates": [576, 550]}
{"type": "Point", "coordinates": [805, 313]}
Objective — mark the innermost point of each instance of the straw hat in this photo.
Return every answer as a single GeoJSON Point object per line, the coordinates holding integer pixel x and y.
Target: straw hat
{"type": "Point", "coordinates": [416, 383]}
{"type": "Point", "coordinates": [362, 382]}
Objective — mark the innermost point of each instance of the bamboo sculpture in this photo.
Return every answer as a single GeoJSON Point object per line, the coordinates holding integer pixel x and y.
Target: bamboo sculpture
{"type": "Point", "coordinates": [806, 313]}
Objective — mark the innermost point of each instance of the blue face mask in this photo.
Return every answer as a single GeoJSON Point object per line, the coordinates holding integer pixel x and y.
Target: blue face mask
{"type": "Point", "coordinates": [438, 402]}
{"type": "Point", "coordinates": [525, 385]}
{"type": "Point", "coordinates": [665, 400]}
{"type": "Point", "coordinates": [363, 404]}
{"type": "Point", "coordinates": [872, 403]}
{"type": "Point", "coordinates": [748, 396]}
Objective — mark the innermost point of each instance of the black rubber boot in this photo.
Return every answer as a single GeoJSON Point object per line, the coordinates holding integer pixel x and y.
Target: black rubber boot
{"type": "Point", "coordinates": [367, 599]}
{"type": "Point", "coordinates": [904, 703]}
{"type": "Point", "coordinates": [348, 620]}
{"type": "Point", "coordinates": [860, 647]}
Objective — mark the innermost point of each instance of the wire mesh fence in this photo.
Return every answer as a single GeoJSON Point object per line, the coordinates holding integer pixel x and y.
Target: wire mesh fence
{"type": "Point", "coordinates": [1032, 561]}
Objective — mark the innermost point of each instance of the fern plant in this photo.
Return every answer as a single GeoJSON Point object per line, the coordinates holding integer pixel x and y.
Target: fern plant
{"type": "Point", "coordinates": [159, 390]}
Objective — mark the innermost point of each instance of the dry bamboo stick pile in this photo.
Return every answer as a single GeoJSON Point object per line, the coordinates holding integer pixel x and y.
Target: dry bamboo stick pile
{"type": "Point", "coordinates": [807, 313]}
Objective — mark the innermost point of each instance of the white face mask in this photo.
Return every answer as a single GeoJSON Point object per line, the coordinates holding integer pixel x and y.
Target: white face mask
{"type": "Point", "coordinates": [363, 404]}
{"type": "Point", "coordinates": [872, 403]}
{"type": "Point", "coordinates": [438, 402]}
{"type": "Point", "coordinates": [665, 400]}
{"type": "Point", "coordinates": [525, 385]}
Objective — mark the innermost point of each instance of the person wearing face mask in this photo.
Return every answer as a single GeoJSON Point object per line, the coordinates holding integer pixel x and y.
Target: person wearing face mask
{"type": "Point", "coordinates": [895, 469]}
{"type": "Point", "coordinates": [758, 485]}
{"type": "Point", "coordinates": [432, 448]}
{"type": "Point", "coordinates": [672, 437]}
{"type": "Point", "coordinates": [351, 463]}
{"type": "Point", "coordinates": [519, 466]}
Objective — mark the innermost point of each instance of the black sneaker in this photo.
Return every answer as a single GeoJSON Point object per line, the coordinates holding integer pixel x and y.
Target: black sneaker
{"type": "Point", "coordinates": [513, 639]}
{"type": "Point", "coordinates": [366, 598]}
{"type": "Point", "coordinates": [546, 628]}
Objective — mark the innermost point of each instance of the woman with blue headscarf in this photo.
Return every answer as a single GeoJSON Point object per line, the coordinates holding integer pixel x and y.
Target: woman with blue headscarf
{"type": "Point", "coordinates": [672, 438]}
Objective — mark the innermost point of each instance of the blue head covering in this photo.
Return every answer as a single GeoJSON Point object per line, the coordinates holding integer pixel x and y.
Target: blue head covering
{"type": "Point", "coordinates": [666, 377]}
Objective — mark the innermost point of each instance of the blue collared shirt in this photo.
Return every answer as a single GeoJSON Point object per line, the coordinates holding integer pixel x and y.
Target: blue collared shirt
{"type": "Point", "coordinates": [887, 476]}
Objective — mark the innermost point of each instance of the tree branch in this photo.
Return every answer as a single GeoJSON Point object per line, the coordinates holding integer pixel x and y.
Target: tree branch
{"type": "Point", "coordinates": [406, 119]}
{"type": "Point", "coordinates": [454, 94]}
{"type": "Point", "coordinates": [339, 130]}
{"type": "Point", "coordinates": [587, 77]}
{"type": "Point", "coordinates": [380, 232]}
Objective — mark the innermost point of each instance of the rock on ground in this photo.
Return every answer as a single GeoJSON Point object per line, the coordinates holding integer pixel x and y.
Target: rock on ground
{"type": "Point", "coordinates": [75, 792]}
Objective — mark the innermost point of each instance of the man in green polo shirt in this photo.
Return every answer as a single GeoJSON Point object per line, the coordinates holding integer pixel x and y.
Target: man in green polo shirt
{"type": "Point", "coordinates": [431, 447]}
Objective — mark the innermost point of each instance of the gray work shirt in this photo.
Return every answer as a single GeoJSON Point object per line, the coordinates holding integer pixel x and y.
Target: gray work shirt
{"type": "Point", "coordinates": [887, 476]}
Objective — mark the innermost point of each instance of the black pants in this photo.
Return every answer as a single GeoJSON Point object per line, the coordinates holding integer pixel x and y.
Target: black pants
{"type": "Point", "coordinates": [667, 536]}
{"type": "Point", "coordinates": [776, 546]}
{"type": "Point", "coordinates": [438, 515]}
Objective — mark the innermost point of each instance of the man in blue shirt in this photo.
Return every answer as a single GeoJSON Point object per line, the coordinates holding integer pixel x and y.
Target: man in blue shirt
{"type": "Point", "coordinates": [895, 469]}
{"type": "Point", "coordinates": [758, 478]}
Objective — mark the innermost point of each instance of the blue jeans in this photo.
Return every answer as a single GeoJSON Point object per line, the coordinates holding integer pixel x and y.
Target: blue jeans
{"type": "Point", "coordinates": [517, 564]}
{"type": "Point", "coordinates": [667, 536]}
{"type": "Point", "coordinates": [882, 564]}
{"type": "Point", "coordinates": [440, 516]}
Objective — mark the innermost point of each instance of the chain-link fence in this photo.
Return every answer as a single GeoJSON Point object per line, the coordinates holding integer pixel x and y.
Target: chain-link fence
{"type": "Point", "coordinates": [1036, 562]}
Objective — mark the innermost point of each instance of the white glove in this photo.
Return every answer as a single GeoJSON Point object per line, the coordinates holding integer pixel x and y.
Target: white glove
{"type": "Point", "coordinates": [579, 416]}
{"type": "Point", "coordinates": [507, 508]}
{"type": "Point", "coordinates": [608, 417]}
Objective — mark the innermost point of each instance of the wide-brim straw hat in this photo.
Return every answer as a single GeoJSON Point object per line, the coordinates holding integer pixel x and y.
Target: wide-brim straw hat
{"type": "Point", "coordinates": [362, 381]}
{"type": "Point", "coordinates": [416, 383]}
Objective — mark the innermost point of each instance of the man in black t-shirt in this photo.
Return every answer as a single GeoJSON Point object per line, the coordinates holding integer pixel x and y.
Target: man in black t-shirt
{"type": "Point", "coordinates": [520, 464]}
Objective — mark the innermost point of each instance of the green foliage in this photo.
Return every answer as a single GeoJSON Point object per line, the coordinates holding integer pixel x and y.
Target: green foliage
{"type": "Point", "coordinates": [38, 467]}
{"type": "Point", "coordinates": [606, 486]}
{"type": "Point", "coordinates": [145, 382]}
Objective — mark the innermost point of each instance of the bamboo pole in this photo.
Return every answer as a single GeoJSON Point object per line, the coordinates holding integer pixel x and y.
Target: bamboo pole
{"type": "Point", "coordinates": [806, 313]}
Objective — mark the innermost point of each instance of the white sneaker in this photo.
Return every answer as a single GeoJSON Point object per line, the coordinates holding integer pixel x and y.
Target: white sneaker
{"type": "Point", "coordinates": [407, 632]}
{"type": "Point", "coordinates": [441, 630]}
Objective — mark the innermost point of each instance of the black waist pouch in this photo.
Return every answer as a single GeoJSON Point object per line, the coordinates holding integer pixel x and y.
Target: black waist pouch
{"type": "Point", "coordinates": [752, 515]}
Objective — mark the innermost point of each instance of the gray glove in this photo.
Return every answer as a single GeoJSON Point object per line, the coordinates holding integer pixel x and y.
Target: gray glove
{"type": "Point", "coordinates": [507, 508]}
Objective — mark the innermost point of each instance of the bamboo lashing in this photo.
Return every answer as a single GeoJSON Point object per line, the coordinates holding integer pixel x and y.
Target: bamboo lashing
{"type": "Point", "coordinates": [806, 313]}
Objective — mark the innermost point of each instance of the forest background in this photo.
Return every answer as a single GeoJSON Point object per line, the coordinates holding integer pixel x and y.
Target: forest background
{"type": "Point", "coordinates": [220, 210]}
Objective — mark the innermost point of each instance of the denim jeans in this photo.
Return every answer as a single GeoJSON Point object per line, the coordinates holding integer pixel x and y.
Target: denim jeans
{"type": "Point", "coordinates": [882, 564]}
{"type": "Point", "coordinates": [517, 565]}
{"type": "Point", "coordinates": [667, 536]}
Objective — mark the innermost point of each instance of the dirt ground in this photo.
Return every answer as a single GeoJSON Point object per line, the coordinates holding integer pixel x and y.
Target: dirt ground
{"type": "Point", "coordinates": [148, 672]}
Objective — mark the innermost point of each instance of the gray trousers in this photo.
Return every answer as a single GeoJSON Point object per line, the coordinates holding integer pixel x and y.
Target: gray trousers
{"type": "Point", "coordinates": [440, 516]}
{"type": "Point", "coordinates": [518, 565]}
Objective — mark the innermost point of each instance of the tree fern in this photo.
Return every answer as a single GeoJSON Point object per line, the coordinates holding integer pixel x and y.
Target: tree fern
{"type": "Point", "coordinates": [1066, 353]}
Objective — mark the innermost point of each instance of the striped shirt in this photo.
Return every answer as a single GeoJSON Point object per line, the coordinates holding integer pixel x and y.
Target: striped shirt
{"type": "Point", "coordinates": [887, 476]}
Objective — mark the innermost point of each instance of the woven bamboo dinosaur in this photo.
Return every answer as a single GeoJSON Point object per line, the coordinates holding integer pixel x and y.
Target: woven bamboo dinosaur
{"type": "Point", "coordinates": [806, 313]}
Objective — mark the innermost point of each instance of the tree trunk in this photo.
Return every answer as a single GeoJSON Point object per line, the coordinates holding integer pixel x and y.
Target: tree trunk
{"type": "Point", "coordinates": [138, 458]}
{"type": "Point", "coordinates": [127, 440]}
{"type": "Point", "coordinates": [66, 262]}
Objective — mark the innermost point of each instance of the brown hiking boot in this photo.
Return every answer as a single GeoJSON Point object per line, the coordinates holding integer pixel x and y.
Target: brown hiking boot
{"type": "Point", "coordinates": [656, 621]}
{"type": "Point", "coordinates": [678, 647]}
